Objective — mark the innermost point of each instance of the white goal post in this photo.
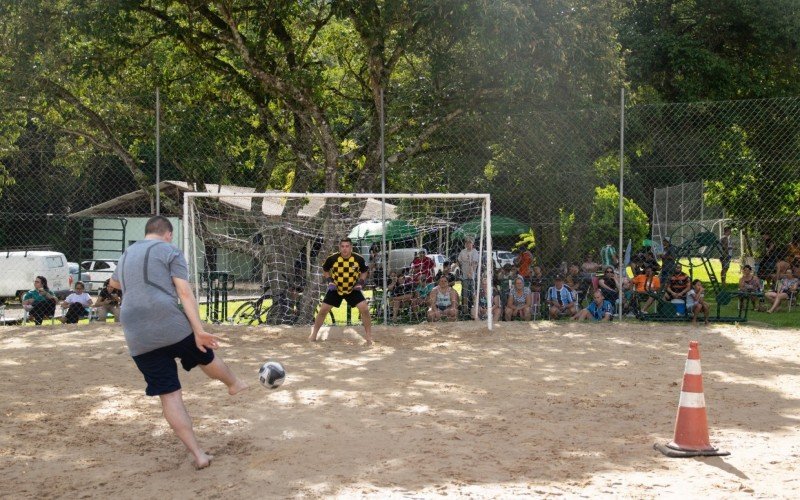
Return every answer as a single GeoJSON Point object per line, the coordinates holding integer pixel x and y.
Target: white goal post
{"type": "Point", "coordinates": [284, 237]}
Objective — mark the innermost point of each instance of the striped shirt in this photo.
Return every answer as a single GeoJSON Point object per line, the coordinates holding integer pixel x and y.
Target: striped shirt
{"type": "Point", "coordinates": [563, 296]}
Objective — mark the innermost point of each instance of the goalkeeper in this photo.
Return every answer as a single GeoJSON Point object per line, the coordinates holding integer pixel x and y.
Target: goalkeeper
{"type": "Point", "coordinates": [345, 273]}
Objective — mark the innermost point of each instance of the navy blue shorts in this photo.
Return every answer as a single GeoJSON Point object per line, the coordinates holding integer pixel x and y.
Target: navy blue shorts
{"type": "Point", "coordinates": [354, 298]}
{"type": "Point", "coordinates": [160, 369]}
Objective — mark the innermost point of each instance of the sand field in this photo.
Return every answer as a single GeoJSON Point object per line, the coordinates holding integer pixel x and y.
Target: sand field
{"type": "Point", "coordinates": [530, 409]}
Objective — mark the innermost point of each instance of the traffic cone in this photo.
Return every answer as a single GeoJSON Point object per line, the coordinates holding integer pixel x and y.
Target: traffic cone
{"type": "Point", "coordinates": [691, 424]}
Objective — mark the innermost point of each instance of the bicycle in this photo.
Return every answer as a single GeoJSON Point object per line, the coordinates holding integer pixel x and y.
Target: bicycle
{"type": "Point", "coordinates": [280, 312]}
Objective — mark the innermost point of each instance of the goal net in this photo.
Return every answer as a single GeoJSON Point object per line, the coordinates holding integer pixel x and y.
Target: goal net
{"type": "Point", "coordinates": [261, 254]}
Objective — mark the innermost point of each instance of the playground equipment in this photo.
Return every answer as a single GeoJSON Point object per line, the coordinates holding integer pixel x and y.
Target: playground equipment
{"type": "Point", "coordinates": [695, 246]}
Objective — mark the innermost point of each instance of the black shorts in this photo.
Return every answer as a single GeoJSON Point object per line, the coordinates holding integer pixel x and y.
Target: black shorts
{"type": "Point", "coordinates": [354, 298]}
{"type": "Point", "coordinates": [160, 370]}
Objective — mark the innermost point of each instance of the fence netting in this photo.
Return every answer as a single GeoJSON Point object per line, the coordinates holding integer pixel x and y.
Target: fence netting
{"type": "Point", "coordinates": [719, 180]}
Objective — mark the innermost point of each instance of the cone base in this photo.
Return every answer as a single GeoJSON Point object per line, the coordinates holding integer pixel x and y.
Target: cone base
{"type": "Point", "coordinates": [674, 451]}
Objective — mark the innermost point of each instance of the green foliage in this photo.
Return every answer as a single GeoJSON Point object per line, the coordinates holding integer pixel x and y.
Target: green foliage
{"type": "Point", "coordinates": [604, 221]}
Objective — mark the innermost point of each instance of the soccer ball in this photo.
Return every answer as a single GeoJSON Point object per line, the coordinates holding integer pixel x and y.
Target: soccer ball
{"type": "Point", "coordinates": [271, 374]}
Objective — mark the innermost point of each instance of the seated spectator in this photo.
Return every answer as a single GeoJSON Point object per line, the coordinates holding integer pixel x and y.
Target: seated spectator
{"type": "Point", "coordinates": [108, 301]}
{"type": "Point", "coordinates": [560, 299]}
{"type": "Point", "coordinates": [483, 308]}
{"type": "Point", "coordinates": [402, 293]}
{"type": "Point", "coordinates": [447, 270]}
{"type": "Point", "coordinates": [598, 309]}
{"type": "Point", "coordinates": [519, 301]}
{"type": "Point", "coordinates": [39, 302]}
{"type": "Point", "coordinates": [645, 284]}
{"type": "Point", "coordinates": [784, 289]}
{"type": "Point", "coordinates": [696, 303]}
{"type": "Point", "coordinates": [749, 284]}
{"type": "Point", "coordinates": [573, 279]}
{"type": "Point", "coordinates": [76, 304]}
{"type": "Point", "coordinates": [421, 293]}
{"type": "Point", "coordinates": [590, 266]}
{"type": "Point", "coordinates": [608, 284]}
{"type": "Point", "coordinates": [637, 263]}
{"type": "Point", "coordinates": [537, 274]}
{"type": "Point", "coordinates": [678, 285]}
{"type": "Point", "coordinates": [650, 260]}
{"type": "Point", "coordinates": [443, 302]}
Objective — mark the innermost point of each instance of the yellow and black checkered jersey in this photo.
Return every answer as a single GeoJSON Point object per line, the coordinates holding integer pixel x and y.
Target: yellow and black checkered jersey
{"type": "Point", "coordinates": [345, 272]}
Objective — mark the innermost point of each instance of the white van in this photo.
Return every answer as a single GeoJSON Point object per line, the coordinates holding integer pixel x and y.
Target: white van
{"type": "Point", "coordinates": [401, 258]}
{"type": "Point", "coordinates": [19, 268]}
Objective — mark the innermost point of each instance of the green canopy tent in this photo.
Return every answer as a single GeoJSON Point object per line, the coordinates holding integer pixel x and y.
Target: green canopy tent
{"type": "Point", "coordinates": [372, 231]}
{"type": "Point", "coordinates": [501, 226]}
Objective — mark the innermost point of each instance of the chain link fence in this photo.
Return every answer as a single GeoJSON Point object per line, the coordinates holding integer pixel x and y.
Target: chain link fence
{"type": "Point", "coordinates": [690, 169]}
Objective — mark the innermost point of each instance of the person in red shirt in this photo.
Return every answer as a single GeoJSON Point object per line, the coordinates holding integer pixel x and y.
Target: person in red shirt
{"type": "Point", "coordinates": [422, 265]}
{"type": "Point", "coordinates": [524, 262]}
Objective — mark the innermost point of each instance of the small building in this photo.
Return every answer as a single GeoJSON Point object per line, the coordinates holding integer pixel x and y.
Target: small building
{"type": "Point", "coordinates": [132, 210]}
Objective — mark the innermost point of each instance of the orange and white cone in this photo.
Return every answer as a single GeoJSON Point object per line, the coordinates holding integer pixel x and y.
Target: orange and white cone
{"type": "Point", "coordinates": [691, 424]}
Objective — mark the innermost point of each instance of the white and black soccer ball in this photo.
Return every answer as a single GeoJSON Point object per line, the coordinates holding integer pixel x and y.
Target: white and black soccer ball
{"type": "Point", "coordinates": [271, 374]}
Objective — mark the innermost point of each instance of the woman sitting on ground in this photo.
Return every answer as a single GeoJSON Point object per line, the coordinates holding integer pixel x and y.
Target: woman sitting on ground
{"type": "Point", "coordinates": [784, 288]}
{"type": "Point", "coordinates": [39, 302]}
{"type": "Point", "coordinates": [76, 304]}
{"type": "Point", "coordinates": [443, 301]}
{"type": "Point", "coordinates": [109, 300]}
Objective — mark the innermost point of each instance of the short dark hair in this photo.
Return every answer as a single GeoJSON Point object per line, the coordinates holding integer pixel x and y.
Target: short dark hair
{"type": "Point", "coordinates": [80, 283]}
{"type": "Point", "coordinates": [747, 266]}
{"type": "Point", "coordinates": [158, 224]}
{"type": "Point", "coordinates": [346, 239]}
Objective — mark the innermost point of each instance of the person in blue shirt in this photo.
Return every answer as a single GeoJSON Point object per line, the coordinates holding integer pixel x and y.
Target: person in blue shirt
{"type": "Point", "coordinates": [599, 309]}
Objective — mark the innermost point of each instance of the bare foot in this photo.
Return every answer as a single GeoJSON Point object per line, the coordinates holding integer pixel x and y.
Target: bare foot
{"type": "Point", "coordinates": [238, 387]}
{"type": "Point", "coordinates": [369, 341]}
{"type": "Point", "coordinates": [202, 460]}
{"type": "Point", "coordinates": [312, 337]}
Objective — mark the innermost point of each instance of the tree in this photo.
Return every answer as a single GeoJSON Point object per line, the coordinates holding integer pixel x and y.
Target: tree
{"type": "Point", "coordinates": [604, 221]}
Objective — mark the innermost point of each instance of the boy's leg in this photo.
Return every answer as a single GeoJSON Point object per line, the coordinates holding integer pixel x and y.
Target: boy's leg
{"type": "Point", "coordinates": [181, 423]}
{"type": "Point", "coordinates": [218, 370]}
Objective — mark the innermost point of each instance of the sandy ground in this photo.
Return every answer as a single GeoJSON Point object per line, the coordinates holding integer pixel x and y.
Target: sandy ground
{"type": "Point", "coordinates": [538, 409]}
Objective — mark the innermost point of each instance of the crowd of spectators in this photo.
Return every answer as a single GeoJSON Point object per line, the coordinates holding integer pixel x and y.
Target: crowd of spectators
{"type": "Point", "coordinates": [591, 289]}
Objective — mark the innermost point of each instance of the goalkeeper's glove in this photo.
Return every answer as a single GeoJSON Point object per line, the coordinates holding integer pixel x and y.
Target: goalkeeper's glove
{"type": "Point", "coordinates": [359, 285]}
{"type": "Point", "coordinates": [331, 285]}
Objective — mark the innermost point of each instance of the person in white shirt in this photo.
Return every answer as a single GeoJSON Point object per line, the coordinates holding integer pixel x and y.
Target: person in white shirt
{"type": "Point", "coordinates": [468, 263]}
{"type": "Point", "coordinates": [76, 304]}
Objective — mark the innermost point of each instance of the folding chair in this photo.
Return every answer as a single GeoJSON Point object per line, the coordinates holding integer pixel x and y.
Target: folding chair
{"type": "Point", "coordinates": [536, 305]}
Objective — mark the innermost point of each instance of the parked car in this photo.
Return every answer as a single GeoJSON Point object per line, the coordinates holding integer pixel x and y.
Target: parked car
{"type": "Point", "coordinates": [76, 275]}
{"type": "Point", "coordinates": [502, 257]}
{"type": "Point", "coordinates": [99, 270]}
{"type": "Point", "coordinates": [438, 261]}
{"type": "Point", "coordinates": [19, 268]}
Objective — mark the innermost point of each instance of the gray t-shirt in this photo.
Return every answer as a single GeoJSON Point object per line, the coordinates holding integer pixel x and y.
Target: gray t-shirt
{"type": "Point", "coordinates": [150, 315]}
